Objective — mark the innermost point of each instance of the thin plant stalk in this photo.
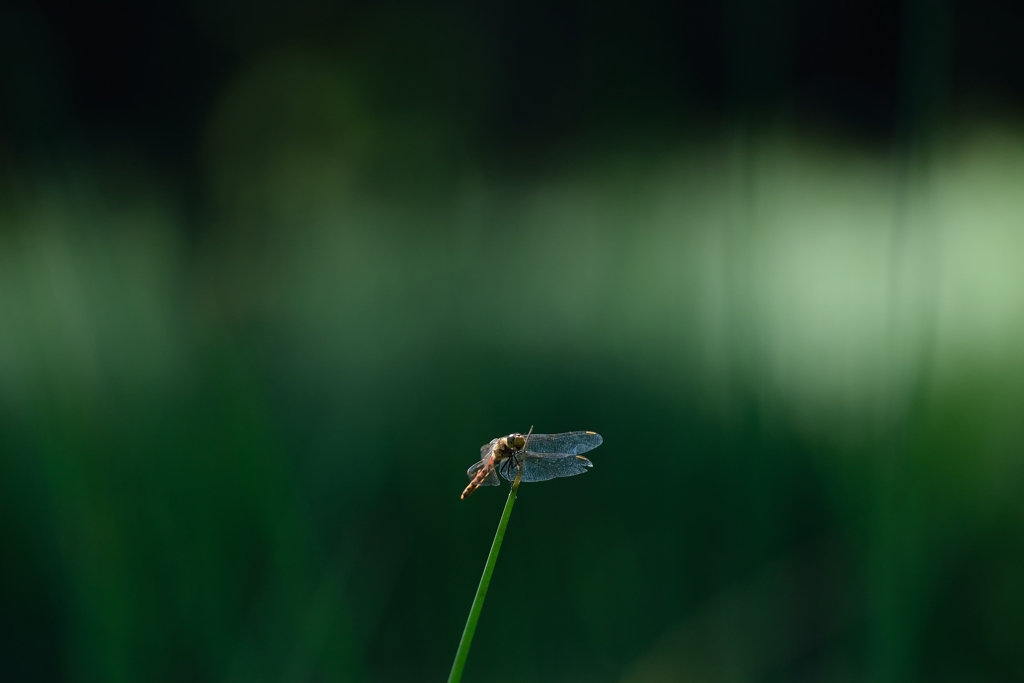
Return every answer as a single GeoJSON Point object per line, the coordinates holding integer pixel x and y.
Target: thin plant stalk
{"type": "Point", "coordinates": [481, 592]}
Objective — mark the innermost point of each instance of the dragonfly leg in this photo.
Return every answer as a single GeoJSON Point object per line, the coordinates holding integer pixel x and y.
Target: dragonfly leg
{"type": "Point", "coordinates": [509, 465]}
{"type": "Point", "coordinates": [516, 463]}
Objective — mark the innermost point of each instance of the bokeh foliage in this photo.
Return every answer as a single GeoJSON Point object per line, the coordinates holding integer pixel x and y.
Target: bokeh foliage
{"type": "Point", "coordinates": [254, 327]}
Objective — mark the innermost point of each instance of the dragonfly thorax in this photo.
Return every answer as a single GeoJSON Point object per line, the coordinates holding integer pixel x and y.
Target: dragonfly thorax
{"type": "Point", "coordinates": [508, 446]}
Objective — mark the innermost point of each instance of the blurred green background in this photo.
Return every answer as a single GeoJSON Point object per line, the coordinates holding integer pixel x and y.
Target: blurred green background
{"type": "Point", "coordinates": [271, 273]}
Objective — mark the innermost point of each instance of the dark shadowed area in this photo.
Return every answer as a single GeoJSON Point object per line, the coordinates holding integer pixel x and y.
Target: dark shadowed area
{"type": "Point", "coordinates": [271, 273]}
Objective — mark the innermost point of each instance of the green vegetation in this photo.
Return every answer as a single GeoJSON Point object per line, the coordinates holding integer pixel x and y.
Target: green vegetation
{"type": "Point", "coordinates": [481, 592]}
{"type": "Point", "coordinates": [238, 458]}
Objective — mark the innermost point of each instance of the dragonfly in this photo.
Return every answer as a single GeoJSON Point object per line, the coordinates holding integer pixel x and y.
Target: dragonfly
{"type": "Point", "coordinates": [540, 456]}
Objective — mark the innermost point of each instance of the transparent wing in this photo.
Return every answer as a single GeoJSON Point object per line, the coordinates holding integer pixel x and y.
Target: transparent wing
{"type": "Point", "coordinates": [485, 450]}
{"type": "Point", "coordinates": [544, 466]}
{"type": "Point", "coordinates": [490, 480]}
{"type": "Point", "coordinates": [569, 443]}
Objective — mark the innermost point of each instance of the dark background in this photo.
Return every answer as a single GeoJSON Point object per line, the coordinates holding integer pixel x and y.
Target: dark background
{"type": "Point", "coordinates": [271, 272]}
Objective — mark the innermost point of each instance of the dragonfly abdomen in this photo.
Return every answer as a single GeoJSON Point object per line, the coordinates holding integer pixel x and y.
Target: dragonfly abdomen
{"type": "Point", "coordinates": [484, 472]}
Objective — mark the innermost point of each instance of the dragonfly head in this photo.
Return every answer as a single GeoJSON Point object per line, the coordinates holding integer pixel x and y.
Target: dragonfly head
{"type": "Point", "coordinates": [516, 441]}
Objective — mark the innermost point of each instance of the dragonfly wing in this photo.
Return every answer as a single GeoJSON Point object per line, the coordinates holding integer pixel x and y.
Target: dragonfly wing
{"type": "Point", "coordinates": [569, 443]}
{"type": "Point", "coordinates": [490, 480]}
{"type": "Point", "coordinates": [544, 466]}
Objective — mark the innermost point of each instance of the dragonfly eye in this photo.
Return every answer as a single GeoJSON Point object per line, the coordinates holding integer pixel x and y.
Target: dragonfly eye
{"type": "Point", "coordinates": [517, 441]}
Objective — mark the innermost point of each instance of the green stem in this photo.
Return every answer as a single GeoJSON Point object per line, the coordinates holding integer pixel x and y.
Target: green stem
{"type": "Point", "coordinates": [481, 592]}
